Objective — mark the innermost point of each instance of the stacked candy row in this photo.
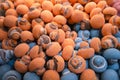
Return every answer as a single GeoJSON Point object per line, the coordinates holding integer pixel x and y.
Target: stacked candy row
{"type": "Point", "coordinates": [59, 39]}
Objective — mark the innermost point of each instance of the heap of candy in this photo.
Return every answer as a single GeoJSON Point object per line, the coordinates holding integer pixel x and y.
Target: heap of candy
{"type": "Point", "coordinates": [59, 39]}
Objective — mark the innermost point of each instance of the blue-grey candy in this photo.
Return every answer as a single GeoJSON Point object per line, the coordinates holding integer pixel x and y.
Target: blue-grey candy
{"type": "Point", "coordinates": [87, 64]}
{"type": "Point", "coordinates": [77, 46]}
{"type": "Point", "coordinates": [3, 69]}
{"type": "Point", "coordinates": [98, 63]}
{"type": "Point", "coordinates": [117, 34]}
{"type": "Point", "coordinates": [5, 56]}
{"type": "Point", "coordinates": [111, 53]}
{"type": "Point", "coordinates": [94, 33]}
{"type": "Point", "coordinates": [67, 75]}
{"type": "Point", "coordinates": [84, 34]}
{"type": "Point", "coordinates": [109, 74]}
{"type": "Point", "coordinates": [32, 44]}
{"type": "Point", "coordinates": [12, 75]}
{"type": "Point", "coordinates": [77, 27]}
{"type": "Point", "coordinates": [31, 76]}
{"type": "Point", "coordinates": [78, 39]}
{"type": "Point", "coordinates": [114, 66]}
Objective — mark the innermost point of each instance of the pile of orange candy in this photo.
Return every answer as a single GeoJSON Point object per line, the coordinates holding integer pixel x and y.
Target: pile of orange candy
{"type": "Point", "coordinates": [50, 24]}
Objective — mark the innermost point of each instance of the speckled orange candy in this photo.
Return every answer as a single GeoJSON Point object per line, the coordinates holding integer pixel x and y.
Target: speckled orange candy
{"type": "Point", "coordinates": [84, 44]}
{"type": "Point", "coordinates": [71, 34]}
{"type": "Point", "coordinates": [96, 44]}
{"type": "Point", "coordinates": [52, 26]}
{"type": "Point", "coordinates": [14, 33]}
{"type": "Point", "coordinates": [37, 21]}
{"type": "Point", "coordinates": [115, 20]}
{"type": "Point", "coordinates": [88, 74]}
{"type": "Point", "coordinates": [60, 19]}
{"type": "Point", "coordinates": [66, 11]}
{"type": "Point", "coordinates": [76, 64]}
{"type": "Point", "coordinates": [21, 49]}
{"type": "Point", "coordinates": [102, 4]}
{"type": "Point", "coordinates": [78, 6]}
{"type": "Point", "coordinates": [46, 16]}
{"type": "Point", "coordinates": [109, 12]}
{"type": "Point", "coordinates": [22, 9]}
{"type": "Point", "coordinates": [36, 51]}
{"type": "Point", "coordinates": [22, 64]}
{"type": "Point", "coordinates": [33, 13]}
{"type": "Point", "coordinates": [11, 12]}
{"type": "Point", "coordinates": [10, 21]}
{"type": "Point", "coordinates": [67, 42]}
{"type": "Point", "coordinates": [37, 66]}
{"type": "Point", "coordinates": [58, 35]}
{"type": "Point", "coordinates": [47, 5]}
{"type": "Point", "coordinates": [97, 21]}
{"type": "Point", "coordinates": [86, 53]}
{"type": "Point", "coordinates": [53, 49]}
{"type": "Point", "coordinates": [109, 41]}
{"type": "Point", "coordinates": [24, 24]}
{"type": "Point", "coordinates": [67, 52]}
{"type": "Point", "coordinates": [56, 63]}
{"type": "Point", "coordinates": [51, 75]}
{"type": "Point", "coordinates": [90, 6]}
{"type": "Point", "coordinates": [9, 44]}
{"type": "Point", "coordinates": [95, 11]}
{"type": "Point", "coordinates": [38, 30]}
{"type": "Point", "coordinates": [43, 41]}
{"type": "Point", "coordinates": [56, 9]}
{"type": "Point", "coordinates": [109, 29]}
{"type": "Point", "coordinates": [27, 36]}
{"type": "Point", "coordinates": [77, 16]}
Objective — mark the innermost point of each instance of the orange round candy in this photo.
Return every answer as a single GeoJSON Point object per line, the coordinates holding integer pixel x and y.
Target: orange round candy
{"type": "Point", "coordinates": [36, 51]}
{"type": "Point", "coordinates": [86, 53]}
{"type": "Point", "coordinates": [11, 12]}
{"type": "Point", "coordinates": [56, 9]}
{"type": "Point", "coordinates": [37, 63]}
{"type": "Point", "coordinates": [77, 16]}
{"type": "Point", "coordinates": [102, 4]}
{"type": "Point", "coordinates": [53, 49]}
{"type": "Point", "coordinates": [95, 11]}
{"type": "Point", "coordinates": [24, 24]}
{"type": "Point", "coordinates": [10, 21]}
{"type": "Point", "coordinates": [46, 16]}
{"type": "Point", "coordinates": [109, 12]}
{"type": "Point", "coordinates": [67, 52]}
{"type": "Point", "coordinates": [33, 13]}
{"type": "Point", "coordinates": [38, 30]}
{"type": "Point", "coordinates": [96, 44]}
{"type": "Point", "coordinates": [22, 9]}
{"type": "Point", "coordinates": [68, 41]}
{"type": "Point", "coordinates": [47, 5]}
{"type": "Point", "coordinates": [20, 66]}
{"type": "Point", "coordinates": [51, 75]}
{"type": "Point", "coordinates": [91, 76]}
{"type": "Point", "coordinates": [52, 26]}
{"type": "Point", "coordinates": [21, 49]}
{"type": "Point", "coordinates": [27, 36]}
{"type": "Point", "coordinates": [90, 6]}
{"type": "Point", "coordinates": [76, 64]}
{"type": "Point", "coordinates": [58, 35]}
{"type": "Point", "coordinates": [97, 21]}
{"type": "Point", "coordinates": [60, 19]}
